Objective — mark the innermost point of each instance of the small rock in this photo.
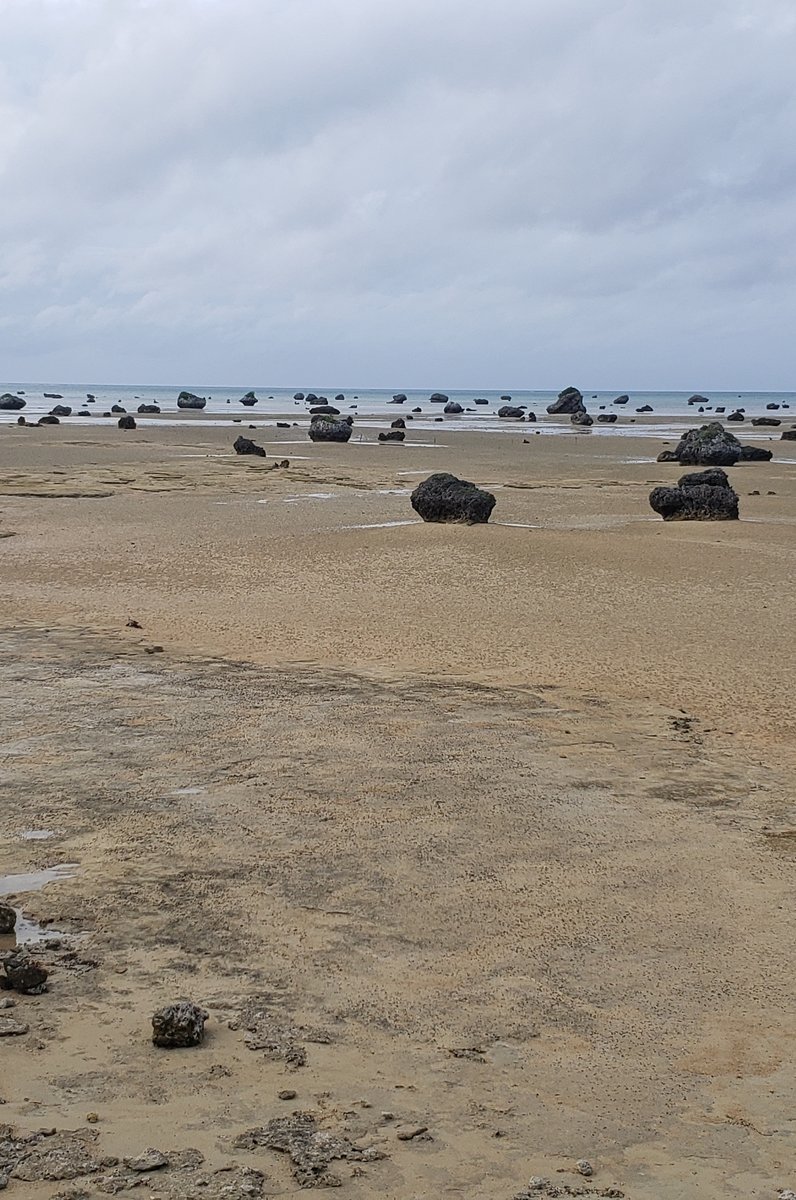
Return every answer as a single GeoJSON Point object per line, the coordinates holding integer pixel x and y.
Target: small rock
{"type": "Point", "coordinates": [584, 1167]}
{"type": "Point", "coordinates": [150, 1160]}
{"type": "Point", "coordinates": [287, 1094]}
{"type": "Point", "coordinates": [133, 624]}
{"type": "Point", "coordinates": [8, 918]}
{"type": "Point", "coordinates": [153, 649]}
{"type": "Point", "coordinates": [7, 1003]}
{"type": "Point", "coordinates": [408, 1133]}
{"type": "Point", "coordinates": [24, 974]}
{"type": "Point", "coordinates": [3, 1181]}
{"type": "Point", "coordinates": [9, 1027]}
{"type": "Point", "coordinates": [92, 1118]}
{"type": "Point", "coordinates": [179, 1025]}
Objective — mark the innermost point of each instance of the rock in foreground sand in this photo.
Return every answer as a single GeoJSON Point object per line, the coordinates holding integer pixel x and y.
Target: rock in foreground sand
{"type": "Point", "coordinates": [443, 497]}
{"type": "Point", "coordinates": [179, 1025]}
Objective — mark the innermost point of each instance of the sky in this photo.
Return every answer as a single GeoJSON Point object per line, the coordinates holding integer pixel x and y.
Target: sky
{"type": "Point", "coordinates": [399, 193]}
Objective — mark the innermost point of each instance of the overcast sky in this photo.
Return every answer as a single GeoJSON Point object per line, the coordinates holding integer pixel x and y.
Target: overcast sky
{"type": "Point", "coordinates": [399, 193]}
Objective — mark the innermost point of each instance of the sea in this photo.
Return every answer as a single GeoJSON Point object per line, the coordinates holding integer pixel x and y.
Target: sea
{"type": "Point", "coordinates": [372, 407]}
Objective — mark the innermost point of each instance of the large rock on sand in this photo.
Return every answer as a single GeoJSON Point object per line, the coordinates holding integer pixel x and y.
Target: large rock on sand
{"type": "Point", "coordinates": [9, 403]}
{"type": "Point", "coordinates": [179, 1025]}
{"type": "Point", "coordinates": [329, 429]}
{"type": "Point", "coordinates": [443, 497]}
{"type": "Point", "coordinates": [569, 401]}
{"type": "Point", "coordinates": [709, 446]}
{"type": "Point", "coordinates": [189, 400]}
{"type": "Point", "coordinates": [702, 496]}
{"type": "Point", "coordinates": [126, 422]}
{"type": "Point", "coordinates": [392, 435]}
{"type": "Point", "coordinates": [243, 445]}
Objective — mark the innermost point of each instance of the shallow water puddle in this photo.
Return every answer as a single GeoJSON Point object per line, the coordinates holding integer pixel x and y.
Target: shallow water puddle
{"type": "Point", "coordinates": [38, 835]}
{"type": "Point", "coordinates": [27, 931]}
{"type": "Point", "coordinates": [382, 525]}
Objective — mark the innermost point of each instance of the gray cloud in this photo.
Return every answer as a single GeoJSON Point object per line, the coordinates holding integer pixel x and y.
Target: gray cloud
{"type": "Point", "coordinates": [514, 194]}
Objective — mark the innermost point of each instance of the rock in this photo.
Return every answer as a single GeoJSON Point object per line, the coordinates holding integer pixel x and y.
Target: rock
{"type": "Point", "coordinates": [340, 397]}
{"type": "Point", "coordinates": [188, 400]}
{"type": "Point", "coordinates": [695, 503]}
{"type": "Point", "coordinates": [311, 1149]}
{"type": "Point", "coordinates": [8, 918]}
{"type": "Point", "coordinates": [720, 409]}
{"type": "Point", "coordinates": [399, 398]}
{"type": "Point", "coordinates": [788, 435]}
{"type": "Point", "coordinates": [709, 446]}
{"type": "Point", "coordinates": [4, 1181]}
{"type": "Point", "coordinates": [607, 418]}
{"type": "Point", "coordinates": [90, 397]}
{"type": "Point", "coordinates": [179, 1025]}
{"type": "Point", "coordinates": [569, 401]}
{"type": "Point", "coordinates": [394, 435]}
{"type": "Point", "coordinates": [283, 424]}
{"type": "Point", "coordinates": [439, 398]}
{"type": "Point", "coordinates": [60, 410]}
{"type": "Point", "coordinates": [480, 400]}
{"type": "Point", "coordinates": [622, 400]}
{"type": "Point", "coordinates": [697, 399]}
{"type": "Point", "coordinates": [512, 411]}
{"type": "Point", "coordinates": [298, 395]}
{"type": "Point", "coordinates": [771, 407]}
{"type": "Point", "coordinates": [249, 400]}
{"type": "Point", "coordinates": [452, 408]}
{"type": "Point", "coordinates": [243, 445]}
{"type": "Point", "coordinates": [328, 409]}
{"type": "Point", "coordinates": [736, 416]}
{"type": "Point", "coordinates": [443, 497]}
{"type": "Point", "coordinates": [9, 403]}
{"type": "Point", "coordinates": [311, 398]}
{"type": "Point", "coordinates": [287, 1094]}
{"type": "Point", "coordinates": [149, 1160]}
{"type": "Point", "coordinates": [127, 422]}
{"type": "Point", "coordinates": [9, 1027]}
{"type": "Point", "coordinates": [581, 418]}
{"type": "Point", "coordinates": [24, 974]}
{"type": "Point", "coordinates": [584, 1168]}
{"type": "Point", "coordinates": [398, 423]}
{"type": "Point", "coordinates": [645, 408]}
{"type": "Point", "coordinates": [417, 410]}
{"type": "Point", "coordinates": [52, 395]}
{"type": "Point", "coordinates": [714, 477]}
{"type": "Point", "coordinates": [327, 429]}
{"type": "Point", "coordinates": [148, 408]}
{"type": "Point", "coordinates": [755, 454]}
{"type": "Point", "coordinates": [84, 413]}
{"type": "Point", "coordinates": [117, 408]}
{"type": "Point", "coordinates": [407, 1133]}
{"type": "Point", "coordinates": [49, 420]}
{"type": "Point", "coordinates": [766, 421]}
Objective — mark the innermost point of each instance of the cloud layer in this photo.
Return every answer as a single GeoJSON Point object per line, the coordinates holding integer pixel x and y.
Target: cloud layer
{"type": "Point", "coordinates": [416, 193]}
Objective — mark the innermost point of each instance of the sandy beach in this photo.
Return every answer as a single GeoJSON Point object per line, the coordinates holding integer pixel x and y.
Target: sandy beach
{"type": "Point", "coordinates": [496, 823]}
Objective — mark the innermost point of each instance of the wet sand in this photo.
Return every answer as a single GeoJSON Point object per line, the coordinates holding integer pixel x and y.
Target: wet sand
{"type": "Point", "coordinates": [504, 815]}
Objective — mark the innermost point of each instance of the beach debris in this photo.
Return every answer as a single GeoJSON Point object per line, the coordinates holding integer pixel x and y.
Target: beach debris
{"type": "Point", "coordinates": [8, 918]}
{"type": "Point", "coordinates": [24, 974]}
{"type": "Point", "coordinates": [325, 428]}
{"type": "Point", "coordinates": [569, 401]}
{"type": "Point", "coordinates": [444, 498]}
{"type": "Point", "coordinates": [126, 422]}
{"type": "Point", "coordinates": [699, 496]}
{"type": "Point", "coordinates": [9, 403]}
{"type": "Point", "coordinates": [179, 1025]}
{"type": "Point", "coordinates": [311, 1148]}
{"type": "Point", "coordinates": [511, 411]}
{"type": "Point", "coordinates": [243, 445]}
{"type": "Point", "coordinates": [10, 1027]}
{"type": "Point", "coordinates": [189, 400]}
{"type": "Point", "coordinates": [392, 435]}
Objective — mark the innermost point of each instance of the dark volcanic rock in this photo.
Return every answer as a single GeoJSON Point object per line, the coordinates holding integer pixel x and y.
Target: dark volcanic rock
{"type": "Point", "coordinates": [645, 408]}
{"type": "Point", "coordinates": [788, 435]}
{"type": "Point", "coordinates": [512, 411]}
{"type": "Point", "coordinates": [90, 397]}
{"type": "Point", "coordinates": [9, 403]}
{"type": "Point", "coordinates": [178, 1025]}
{"type": "Point", "coordinates": [773, 421]}
{"type": "Point", "coordinates": [736, 416]}
{"type": "Point", "coordinates": [697, 399]}
{"type": "Point", "coordinates": [709, 446]}
{"type": "Point", "coordinates": [283, 424]}
{"type": "Point", "coordinates": [311, 398]}
{"type": "Point", "coordinates": [713, 477]}
{"type": "Point", "coordinates": [772, 407]}
{"type": "Point", "coordinates": [417, 410]}
{"type": "Point", "coordinates": [149, 408]}
{"type": "Point", "coordinates": [581, 418]}
{"type": "Point", "coordinates": [607, 418]}
{"type": "Point", "coordinates": [695, 503]}
{"type": "Point", "coordinates": [243, 445]}
{"type": "Point", "coordinates": [398, 423]}
{"type": "Point", "coordinates": [117, 408]}
{"type": "Point", "coordinates": [189, 400]}
{"type": "Point", "coordinates": [443, 497]}
{"type": "Point", "coordinates": [298, 395]}
{"type": "Point", "coordinates": [127, 422]}
{"type": "Point", "coordinates": [452, 408]}
{"type": "Point", "coordinates": [480, 400]}
{"type": "Point", "coordinates": [399, 398]}
{"type": "Point", "coordinates": [24, 974]}
{"type": "Point", "coordinates": [8, 918]}
{"type": "Point", "coordinates": [394, 435]}
{"type": "Point", "coordinates": [340, 397]}
{"type": "Point", "coordinates": [52, 396]}
{"type": "Point", "coordinates": [755, 454]}
{"type": "Point", "coordinates": [720, 409]}
{"type": "Point", "coordinates": [49, 420]}
{"type": "Point", "coordinates": [622, 400]}
{"type": "Point", "coordinates": [667, 456]}
{"type": "Point", "coordinates": [60, 410]}
{"type": "Point", "coordinates": [569, 401]}
{"type": "Point", "coordinates": [327, 429]}
{"type": "Point", "coordinates": [328, 409]}
{"type": "Point", "coordinates": [249, 400]}
{"type": "Point", "coordinates": [439, 398]}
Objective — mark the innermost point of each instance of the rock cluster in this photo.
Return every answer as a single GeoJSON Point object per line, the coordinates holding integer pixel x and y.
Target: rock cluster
{"type": "Point", "coordinates": [699, 496]}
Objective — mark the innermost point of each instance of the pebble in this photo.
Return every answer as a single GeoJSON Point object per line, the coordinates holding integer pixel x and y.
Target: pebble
{"type": "Point", "coordinates": [288, 1094]}
{"type": "Point", "coordinates": [92, 1118]}
{"type": "Point", "coordinates": [408, 1132]}
{"type": "Point", "coordinates": [584, 1167]}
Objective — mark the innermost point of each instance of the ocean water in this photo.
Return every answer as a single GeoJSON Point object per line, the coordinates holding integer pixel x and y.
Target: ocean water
{"type": "Point", "coordinates": [373, 407]}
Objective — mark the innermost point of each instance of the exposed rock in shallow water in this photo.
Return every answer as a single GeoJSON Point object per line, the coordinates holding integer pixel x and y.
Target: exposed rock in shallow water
{"type": "Point", "coordinates": [393, 435]}
{"type": "Point", "coordinates": [189, 400]}
{"type": "Point", "coordinates": [772, 421]}
{"type": "Point", "coordinates": [569, 401]}
{"type": "Point", "coordinates": [444, 498]}
{"type": "Point", "coordinates": [328, 409]}
{"type": "Point", "coordinates": [581, 418]}
{"type": "Point", "coordinates": [789, 435]}
{"type": "Point", "coordinates": [60, 410]}
{"type": "Point", "coordinates": [179, 1025]}
{"type": "Point", "coordinates": [439, 398]}
{"type": "Point", "coordinates": [696, 502]}
{"type": "Point", "coordinates": [149, 408]}
{"type": "Point", "coordinates": [512, 411]}
{"type": "Point", "coordinates": [709, 446]}
{"type": "Point", "coordinates": [452, 408]}
{"type": "Point", "coordinates": [399, 398]}
{"type": "Point", "coordinates": [249, 400]}
{"type": "Point", "coordinates": [9, 403]}
{"type": "Point", "coordinates": [327, 429]}
{"type": "Point", "coordinates": [736, 416]}
{"type": "Point", "coordinates": [243, 445]}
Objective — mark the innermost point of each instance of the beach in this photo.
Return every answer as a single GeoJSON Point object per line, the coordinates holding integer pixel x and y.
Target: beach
{"type": "Point", "coordinates": [495, 822]}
